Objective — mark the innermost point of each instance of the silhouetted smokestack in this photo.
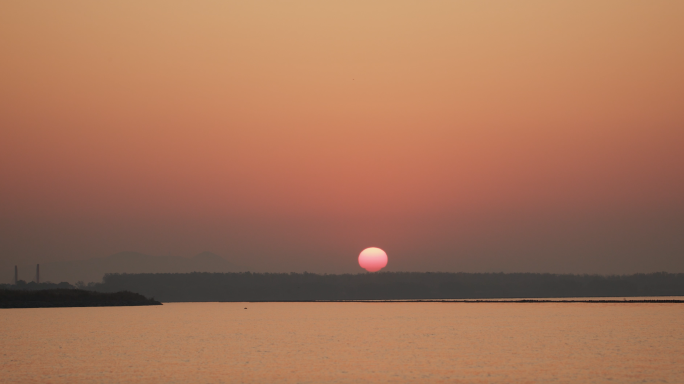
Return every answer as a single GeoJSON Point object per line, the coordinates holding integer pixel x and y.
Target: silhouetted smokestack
{"type": "Point", "coordinates": [37, 273]}
{"type": "Point", "coordinates": [16, 275]}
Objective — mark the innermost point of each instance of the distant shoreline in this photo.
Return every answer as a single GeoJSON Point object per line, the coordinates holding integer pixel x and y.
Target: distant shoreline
{"type": "Point", "coordinates": [469, 301]}
{"type": "Point", "coordinates": [391, 286]}
{"type": "Point", "coordinates": [65, 298]}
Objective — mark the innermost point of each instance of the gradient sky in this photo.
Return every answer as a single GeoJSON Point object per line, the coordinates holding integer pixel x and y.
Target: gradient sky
{"type": "Point", "coordinates": [288, 136]}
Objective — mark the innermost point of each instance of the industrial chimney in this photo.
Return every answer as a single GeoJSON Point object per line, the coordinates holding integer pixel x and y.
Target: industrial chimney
{"type": "Point", "coordinates": [37, 273]}
{"type": "Point", "coordinates": [16, 275]}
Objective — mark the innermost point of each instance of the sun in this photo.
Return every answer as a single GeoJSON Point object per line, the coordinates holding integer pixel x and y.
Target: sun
{"type": "Point", "coordinates": [372, 259]}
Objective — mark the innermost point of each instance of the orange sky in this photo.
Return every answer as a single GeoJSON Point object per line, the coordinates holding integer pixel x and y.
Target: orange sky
{"type": "Point", "coordinates": [527, 135]}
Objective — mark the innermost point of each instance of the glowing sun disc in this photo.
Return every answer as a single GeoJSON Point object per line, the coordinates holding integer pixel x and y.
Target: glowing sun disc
{"type": "Point", "coordinates": [372, 259]}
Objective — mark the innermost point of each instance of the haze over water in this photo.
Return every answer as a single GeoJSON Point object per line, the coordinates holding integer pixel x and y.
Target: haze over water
{"type": "Point", "coordinates": [345, 342]}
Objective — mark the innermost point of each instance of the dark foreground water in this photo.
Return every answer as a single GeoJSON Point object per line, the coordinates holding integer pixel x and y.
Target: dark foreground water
{"type": "Point", "coordinates": [345, 342]}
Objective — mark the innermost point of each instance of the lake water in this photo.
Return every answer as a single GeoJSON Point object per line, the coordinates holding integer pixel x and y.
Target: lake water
{"type": "Point", "coordinates": [345, 343]}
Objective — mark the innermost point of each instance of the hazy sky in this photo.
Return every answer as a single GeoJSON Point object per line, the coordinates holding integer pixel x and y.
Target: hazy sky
{"type": "Point", "coordinates": [456, 135]}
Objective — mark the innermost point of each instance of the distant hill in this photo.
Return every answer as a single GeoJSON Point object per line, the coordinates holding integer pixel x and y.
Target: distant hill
{"type": "Point", "coordinates": [18, 298]}
{"type": "Point", "coordinates": [387, 286]}
{"type": "Point", "coordinates": [92, 270]}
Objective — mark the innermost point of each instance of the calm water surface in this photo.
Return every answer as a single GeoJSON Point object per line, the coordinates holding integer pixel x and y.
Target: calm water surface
{"type": "Point", "coordinates": [345, 342]}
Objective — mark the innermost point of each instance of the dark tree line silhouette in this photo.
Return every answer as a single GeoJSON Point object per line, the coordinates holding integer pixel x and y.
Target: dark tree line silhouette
{"type": "Point", "coordinates": [248, 286]}
{"type": "Point", "coordinates": [70, 297]}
